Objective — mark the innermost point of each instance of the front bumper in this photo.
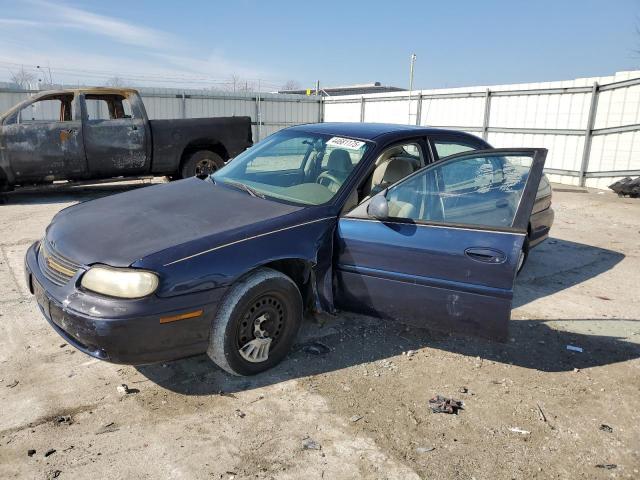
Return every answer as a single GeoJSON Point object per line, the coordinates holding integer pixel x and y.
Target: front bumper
{"type": "Point", "coordinates": [121, 330]}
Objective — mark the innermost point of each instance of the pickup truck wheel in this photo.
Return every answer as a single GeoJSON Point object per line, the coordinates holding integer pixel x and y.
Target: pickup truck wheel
{"type": "Point", "coordinates": [201, 164]}
{"type": "Point", "coordinates": [256, 324]}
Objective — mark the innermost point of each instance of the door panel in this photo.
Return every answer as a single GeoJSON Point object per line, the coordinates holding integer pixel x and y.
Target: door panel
{"type": "Point", "coordinates": [422, 275]}
{"type": "Point", "coordinates": [44, 142]}
{"type": "Point", "coordinates": [439, 262]}
{"type": "Point", "coordinates": [116, 136]}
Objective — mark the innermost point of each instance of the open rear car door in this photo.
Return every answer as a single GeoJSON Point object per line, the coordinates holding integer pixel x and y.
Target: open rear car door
{"type": "Point", "coordinates": [444, 254]}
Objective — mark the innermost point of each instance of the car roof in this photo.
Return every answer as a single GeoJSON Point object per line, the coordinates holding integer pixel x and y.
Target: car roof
{"type": "Point", "coordinates": [369, 131]}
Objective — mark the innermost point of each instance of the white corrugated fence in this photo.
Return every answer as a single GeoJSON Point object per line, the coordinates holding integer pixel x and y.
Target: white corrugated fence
{"type": "Point", "coordinates": [591, 126]}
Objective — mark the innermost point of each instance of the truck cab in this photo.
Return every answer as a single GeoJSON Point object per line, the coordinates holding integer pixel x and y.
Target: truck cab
{"type": "Point", "coordinates": [75, 134]}
{"type": "Point", "coordinates": [103, 133]}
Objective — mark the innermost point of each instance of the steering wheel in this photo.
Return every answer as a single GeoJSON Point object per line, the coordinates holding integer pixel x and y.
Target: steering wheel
{"type": "Point", "coordinates": [327, 179]}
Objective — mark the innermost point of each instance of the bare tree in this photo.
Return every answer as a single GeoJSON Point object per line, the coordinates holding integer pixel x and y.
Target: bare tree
{"type": "Point", "coordinates": [234, 82]}
{"type": "Point", "coordinates": [23, 78]}
{"type": "Point", "coordinates": [115, 82]}
{"type": "Point", "coordinates": [290, 85]}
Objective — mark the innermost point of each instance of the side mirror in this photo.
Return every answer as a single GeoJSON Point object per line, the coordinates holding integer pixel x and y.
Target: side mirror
{"type": "Point", "coordinates": [378, 208]}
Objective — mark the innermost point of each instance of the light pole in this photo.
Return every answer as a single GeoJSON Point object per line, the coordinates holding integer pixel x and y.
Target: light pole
{"type": "Point", "coordinates": [413, 62]}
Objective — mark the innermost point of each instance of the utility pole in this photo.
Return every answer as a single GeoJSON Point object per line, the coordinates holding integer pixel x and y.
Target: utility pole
{"type": "Point", "coordinates": [413, 62]}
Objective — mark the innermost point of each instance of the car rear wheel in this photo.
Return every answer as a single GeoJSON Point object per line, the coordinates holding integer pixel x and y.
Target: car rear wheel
{"type": "Point", "coordinates": [201, 164]}
{"type": "Point", "coordinates": [256, 324]}
{"type": "Point", "coordinates": [524, 255]}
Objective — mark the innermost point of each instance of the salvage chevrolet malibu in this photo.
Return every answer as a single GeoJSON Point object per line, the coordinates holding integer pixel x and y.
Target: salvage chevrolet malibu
{"type": "Point", "coordinates": [369, 218]}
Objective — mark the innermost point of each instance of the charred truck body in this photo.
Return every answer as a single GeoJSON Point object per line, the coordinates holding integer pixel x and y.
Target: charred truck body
{"type": "Point", "coordinates": [99, 133]}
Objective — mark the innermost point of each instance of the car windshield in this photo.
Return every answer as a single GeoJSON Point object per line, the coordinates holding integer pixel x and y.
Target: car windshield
{"type": "Point", "coordinates": [299, 167]}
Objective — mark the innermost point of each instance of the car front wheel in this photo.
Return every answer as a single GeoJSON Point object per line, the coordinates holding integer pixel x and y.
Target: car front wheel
{"type": "Point", "coordinates": [257, 323]}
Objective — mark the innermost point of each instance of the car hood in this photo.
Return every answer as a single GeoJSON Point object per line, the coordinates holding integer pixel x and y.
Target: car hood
{"type": "Point", "coordinates": [124, 228]}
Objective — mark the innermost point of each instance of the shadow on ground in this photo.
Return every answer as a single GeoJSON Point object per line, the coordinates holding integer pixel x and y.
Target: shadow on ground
{"type": "Point", "coordinates": [556, 265]}
{"type": "Point", "coordinates": [353, 340]}
{"type": "Point", "coordinates": [63, 194]}
{"type": "Point", "coordinates": [358, 340]}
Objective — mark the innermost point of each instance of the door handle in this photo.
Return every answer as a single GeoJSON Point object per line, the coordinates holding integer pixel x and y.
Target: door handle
{"type": "Point", "coordinates": [485, 255]}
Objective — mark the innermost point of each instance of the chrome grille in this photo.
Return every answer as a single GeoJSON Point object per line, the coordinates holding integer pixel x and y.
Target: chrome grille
{"type": "Point", "coordinates": [54, 266]}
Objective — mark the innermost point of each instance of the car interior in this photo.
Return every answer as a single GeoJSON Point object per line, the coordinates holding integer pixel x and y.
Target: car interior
{"type": "Point", "coordinates": [107, 107]}
{"type": "Point", "coordinates": [391, 166]}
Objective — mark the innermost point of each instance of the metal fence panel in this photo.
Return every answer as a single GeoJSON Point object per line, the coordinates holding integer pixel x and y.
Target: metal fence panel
{"type": "Point", "coordinates": [591, 126]}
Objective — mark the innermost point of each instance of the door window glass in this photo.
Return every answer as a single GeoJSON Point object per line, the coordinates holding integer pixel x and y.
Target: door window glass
{"type": "Point", "coordinates": [444, 148]}
{"type": "Point", "coordinates": [50, 109]}
{"type": "Point", "coordinates": [107, 107]}
{"type": "Point", "coordinates": [483, 190]}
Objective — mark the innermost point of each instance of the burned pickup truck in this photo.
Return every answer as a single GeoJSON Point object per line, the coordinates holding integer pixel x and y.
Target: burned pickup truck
{"type": "Point", "coordinates": [99, 133]}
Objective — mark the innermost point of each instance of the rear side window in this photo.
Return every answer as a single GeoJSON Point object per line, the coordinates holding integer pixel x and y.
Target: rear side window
{"type": "Point", "coordinates": [451, 146]}
{"type": "Point", "coordinates": [107, 107]}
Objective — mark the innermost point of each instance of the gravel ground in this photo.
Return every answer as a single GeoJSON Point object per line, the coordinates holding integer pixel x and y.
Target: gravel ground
{"type": "Point", "coordinates": [352, 400]}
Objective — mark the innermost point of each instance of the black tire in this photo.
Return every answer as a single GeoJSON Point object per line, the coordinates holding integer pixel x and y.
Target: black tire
{"type": "Point", "coordinates": [524, 255]}
{"type": "Point", "coordinates": [265, 296]}
{"type": "Point", "coordinates": [201, 164]}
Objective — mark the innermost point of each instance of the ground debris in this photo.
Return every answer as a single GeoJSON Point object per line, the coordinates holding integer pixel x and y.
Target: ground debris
{"type": "Point", "coordinates": [543, 417]}
{"type": "Point", "coordinates": [519, 430]}
{"type": "Point", "coordinates": [309, 443]}
{"type": "Point", "coordinates": [440, 404]}
{"type": "Point", "coordinates": [12, 384]}
{"type": "Point", "coordinates": [31, 452]}
{"type": "Point", "coordinates": [627, 187]}
{"type": "Point", "coordinates": [425, 449]}
{"type": "Point", "coordinates": [239, 413]}
{"type": "Point", "coordinates": [573, 348]}
{"type": "Point", "coordinates": [50, 452]}
{"type": "Point", "coordinates": [607, 466]}
{"type": "Point", "coordinates": [108, 428]}
{"type": "Point", "coordinates": [606, 428]}
{"type": "Point", "coordinates": [355, 418]}
{"type": "Point", "coordinates": [315, 348]}
{"type": "Point", "coordinates": [53, 474]}
{"type": "Point", "coordinates": [66, 419]}
{"type": "Point", "coordinates": [222, 393]}
{"type": "Point", "coordinates": [125, 390]}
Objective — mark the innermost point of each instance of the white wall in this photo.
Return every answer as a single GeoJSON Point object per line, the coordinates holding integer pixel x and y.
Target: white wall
{"type": "Point", "coordinates": [566, 111]}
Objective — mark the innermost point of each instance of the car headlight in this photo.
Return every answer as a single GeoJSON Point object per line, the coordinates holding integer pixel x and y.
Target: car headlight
{"type": "Point", "coordinates": [120, 282]}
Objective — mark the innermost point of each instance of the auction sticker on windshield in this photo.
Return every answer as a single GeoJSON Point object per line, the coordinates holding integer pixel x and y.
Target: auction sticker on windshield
{"type": "Point", "coordinates": [345, 143]}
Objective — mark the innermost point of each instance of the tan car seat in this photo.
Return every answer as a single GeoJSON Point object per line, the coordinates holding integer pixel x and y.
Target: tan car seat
{"type": "Point", "coordinates": [387, 173]}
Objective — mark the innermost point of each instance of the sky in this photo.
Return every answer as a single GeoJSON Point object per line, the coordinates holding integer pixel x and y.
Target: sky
{"type": "Point", "coordinates": [218, 44]}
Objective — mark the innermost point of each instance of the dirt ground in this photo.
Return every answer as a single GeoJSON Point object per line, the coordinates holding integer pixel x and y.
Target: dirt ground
{"type": "Point", "coordinates": [532, 408]}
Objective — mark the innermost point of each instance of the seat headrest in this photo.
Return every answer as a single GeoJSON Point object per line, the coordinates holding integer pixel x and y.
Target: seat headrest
{"type": "Point", "coordinates": [339, 161]}
{"type": "Point", "coordinates": [392, 171]}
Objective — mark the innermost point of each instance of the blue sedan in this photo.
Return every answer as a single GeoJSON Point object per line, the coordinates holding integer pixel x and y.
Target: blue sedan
{"type": "Point", "coordinates": [412, 224]}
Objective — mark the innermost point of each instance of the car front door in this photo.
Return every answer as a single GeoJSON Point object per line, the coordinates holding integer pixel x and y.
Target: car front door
{"type": "Point", "coordinates": [116, 135]}
{"type": "Point", "coordinates": [446, 254]}
{"type": "Point", "coordinates": [43, 140]}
